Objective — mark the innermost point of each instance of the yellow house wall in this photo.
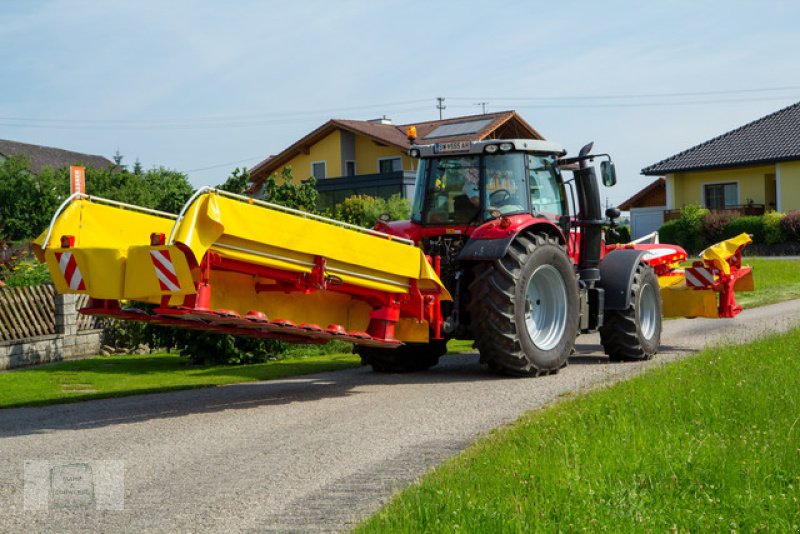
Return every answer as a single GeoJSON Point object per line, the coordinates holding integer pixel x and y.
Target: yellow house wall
{"type": "Point", "coordinates": [327, 150]}
{"type": "Point", "coordinates": [687, 188]}
{"type": "Point", "coordinates": [789, 173]}
{"type": "Point", "coordinates": [367, 154]}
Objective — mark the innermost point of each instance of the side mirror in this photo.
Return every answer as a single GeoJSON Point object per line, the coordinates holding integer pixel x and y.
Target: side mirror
{"type": "Point", "coordinates": [608, 173]}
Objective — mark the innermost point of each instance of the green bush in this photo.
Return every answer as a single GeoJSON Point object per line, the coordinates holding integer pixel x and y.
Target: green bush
{"type": "Point", "coordinates": [364, 210]}
{"type": "Point", "coordinates": [749, 224]}
{"type": "Point", "coordinates": [26, 274]}
{"type": "Point", "coordinates": [686, 231]}
{"type": "Point", "coordinates": [668, 233]}
{"type": "Point", "coordinates": [772, 228]}
{"type": "Point", "coordinates": [713, 228]}
{"type": "Point", "coordinates": [790, 225]}
{"type": "Point", "coordinates": [623, 235]}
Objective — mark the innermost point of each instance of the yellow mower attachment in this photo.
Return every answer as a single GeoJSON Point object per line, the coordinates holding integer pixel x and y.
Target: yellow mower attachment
{"type": "Point", "coordinates": [229, 263]}
{"type": "Point", "coordinates": [693, 291]}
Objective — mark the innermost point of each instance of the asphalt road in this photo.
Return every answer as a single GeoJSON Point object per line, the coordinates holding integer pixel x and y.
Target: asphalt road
{"type": "Point", "coordinates": [313, 453]}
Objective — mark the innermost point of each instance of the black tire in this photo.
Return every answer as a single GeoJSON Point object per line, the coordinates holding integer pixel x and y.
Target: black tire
{"type": "Point", "coordinates": [500, 307]}
{"type": "Point", "coordinates": [635, 333]}
{"type": "Point", "coordinates": [404, 359]}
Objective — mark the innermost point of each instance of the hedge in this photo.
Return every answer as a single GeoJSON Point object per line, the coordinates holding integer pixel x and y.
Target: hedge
{"type": "Point", "coordinates": [697, 228]}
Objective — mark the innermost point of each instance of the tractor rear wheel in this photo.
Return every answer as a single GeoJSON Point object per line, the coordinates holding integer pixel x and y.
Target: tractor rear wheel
{"type": "Point", "coordinates": [404, 359]}
{"type": "Point", "coordinates": [635, 333]}
{"type": "Point", "coordinates": [524, 307]}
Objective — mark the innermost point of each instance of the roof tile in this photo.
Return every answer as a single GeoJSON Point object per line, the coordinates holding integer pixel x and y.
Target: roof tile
{"type": "Point", "coordinates": [773, 138]}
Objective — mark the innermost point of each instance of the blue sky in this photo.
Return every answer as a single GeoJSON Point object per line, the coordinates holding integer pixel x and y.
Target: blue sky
{"type": "Point", "coordinates": [205, 86]}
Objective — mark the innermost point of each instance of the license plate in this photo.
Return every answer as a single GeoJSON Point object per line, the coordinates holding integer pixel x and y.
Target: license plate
{"type": "Point", "coordinates": [455, 146]}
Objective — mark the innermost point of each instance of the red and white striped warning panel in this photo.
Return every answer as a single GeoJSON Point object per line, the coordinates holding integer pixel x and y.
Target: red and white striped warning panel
{"type": "Point", "coordinates": [69, 268]}
{"type": "Point", "coordinates": [165, 271]}
{"type": "Point", "coordinates": [699, 277]}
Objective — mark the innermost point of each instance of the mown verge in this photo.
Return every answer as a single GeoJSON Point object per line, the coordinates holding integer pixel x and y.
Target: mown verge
{"type": "Point", "coordinates": [708, 444]}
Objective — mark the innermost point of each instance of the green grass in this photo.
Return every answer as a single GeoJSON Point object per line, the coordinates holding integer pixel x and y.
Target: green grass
{"type": "Point", "coordinates": [116, 376]}
{"type": "Point", "coordinates": [708, 444]}
{"type": "Point", "coordinates": [775, 281]}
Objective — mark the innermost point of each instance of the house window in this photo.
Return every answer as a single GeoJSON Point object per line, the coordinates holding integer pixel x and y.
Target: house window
{"type": "Point", "coordinates": [389, 165]}
{"type": "Point", "coordinates": [318, 170]}
{"type": "Point", "coordinates": [721, 196]}
{"type": "Point", "coordinates": [349, 168]}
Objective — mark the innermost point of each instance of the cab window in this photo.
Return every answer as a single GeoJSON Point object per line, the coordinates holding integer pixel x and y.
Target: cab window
{"type": "Point", "coordinates": [504, 179]}
{"type": "Point", "coordinates": [547, 192]}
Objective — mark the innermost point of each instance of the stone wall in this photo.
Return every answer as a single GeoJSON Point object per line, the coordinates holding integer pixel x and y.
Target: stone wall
{"type": "Point", "coordinates": [67, 343]}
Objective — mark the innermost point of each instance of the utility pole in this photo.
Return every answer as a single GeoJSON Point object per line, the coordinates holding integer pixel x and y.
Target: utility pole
{"type": "Point", "coordinates": [440, 106]}
{"type": "Point", "coordinates": [483, 107]}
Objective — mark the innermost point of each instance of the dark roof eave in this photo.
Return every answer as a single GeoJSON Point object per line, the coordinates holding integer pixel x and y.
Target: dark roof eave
{"type": "Point", "coordinates": [658, 171]}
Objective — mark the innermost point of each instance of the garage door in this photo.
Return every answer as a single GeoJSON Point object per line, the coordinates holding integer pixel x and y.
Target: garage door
{"type": "Point", "coordinates": [646, 220]}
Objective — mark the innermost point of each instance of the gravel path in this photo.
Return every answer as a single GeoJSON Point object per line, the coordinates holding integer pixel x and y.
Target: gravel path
{"type": "Point", "coordinates": [313, 453]}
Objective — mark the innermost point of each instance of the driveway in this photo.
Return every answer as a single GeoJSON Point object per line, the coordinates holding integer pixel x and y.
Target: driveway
{"type": "Point", "coordinates": [317, 452]}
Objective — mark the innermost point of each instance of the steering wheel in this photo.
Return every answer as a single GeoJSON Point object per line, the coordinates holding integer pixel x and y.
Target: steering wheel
{"type": "Point", "coordinates": [498, 197]}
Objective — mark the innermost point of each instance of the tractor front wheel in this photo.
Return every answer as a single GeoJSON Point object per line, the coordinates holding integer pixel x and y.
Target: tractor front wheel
{"type": "Point", "coordinates": [524, 307]}
{"type": "Point", "coordinates": [635, 333]}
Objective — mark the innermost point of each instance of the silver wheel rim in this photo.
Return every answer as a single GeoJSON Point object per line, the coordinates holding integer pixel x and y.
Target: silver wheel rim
{"type": "Point", "coordinates": [546, 307]}
{"type": "Point", "coordinates": [648, 310]}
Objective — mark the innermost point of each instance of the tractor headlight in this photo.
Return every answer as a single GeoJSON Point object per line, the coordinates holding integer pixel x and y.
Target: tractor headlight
{"type": "Point", "coordinates": [505, 147]}
{"type": "Point", "coordinates": [414, 153]}
{"type": "Point", "coordinates": [490, 149]}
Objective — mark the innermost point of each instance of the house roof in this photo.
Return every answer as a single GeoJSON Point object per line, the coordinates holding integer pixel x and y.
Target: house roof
{"type": "Point", "coordinates": [769, 139]}
{"type": "Point", "coordinates": [46, 156]}
{"type": "Point", "coordinates": [395, 135]}
{"type": "Point", "coordinates": [653, 187]}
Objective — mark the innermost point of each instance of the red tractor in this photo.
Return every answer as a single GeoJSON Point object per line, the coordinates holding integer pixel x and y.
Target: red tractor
{"type": "Point", "coordinates": [519, 246]}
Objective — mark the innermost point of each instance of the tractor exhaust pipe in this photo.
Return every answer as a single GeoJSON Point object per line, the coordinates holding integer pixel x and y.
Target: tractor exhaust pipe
{"type": "Point", "coordinates": [590, 217]}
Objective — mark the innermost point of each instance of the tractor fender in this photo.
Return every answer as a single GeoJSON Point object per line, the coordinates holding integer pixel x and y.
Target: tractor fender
{"type": "Point", "coordinates": [616, 276]}
{"type": "Point", "coordinates": [491, 242]}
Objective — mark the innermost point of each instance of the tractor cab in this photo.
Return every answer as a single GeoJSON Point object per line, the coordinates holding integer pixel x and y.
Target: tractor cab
{"type": "Point", "coordinates": [469, 183]}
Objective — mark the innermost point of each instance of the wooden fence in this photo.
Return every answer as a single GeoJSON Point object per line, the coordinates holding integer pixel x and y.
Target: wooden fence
{"type": "Point", "coordinates": [29, 312]}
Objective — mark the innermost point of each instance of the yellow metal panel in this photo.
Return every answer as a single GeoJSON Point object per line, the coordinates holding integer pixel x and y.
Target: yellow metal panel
{"type": "Point", "coordinates": [681, 301]}
{"type": "Point", "coordinates": [236, 292]}
{"type": "Point", "coordinates": [141, 281]}
{"type": "Point", "coordinates": [102, 236]}
{"type": "Point", "coordinates": [722, 251]}
{"type": "Point", "coordinates": [412, 331]}
{"type": "Point", "coordinates": [745, 283]}
{"type": "Point", "coordinates": [282, 240]}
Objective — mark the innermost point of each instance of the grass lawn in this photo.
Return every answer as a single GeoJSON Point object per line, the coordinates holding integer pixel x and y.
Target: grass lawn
{"type": "Point", "coordinates": [116, 376]}
{"type": "Point", "coordinates": [775, 281]}
{"type": "Point", "coordinates": [708, 444]}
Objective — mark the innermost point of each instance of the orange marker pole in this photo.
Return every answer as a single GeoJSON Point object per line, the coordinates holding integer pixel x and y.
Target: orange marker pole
{"type": "Point", "coordinates": [77, 179]}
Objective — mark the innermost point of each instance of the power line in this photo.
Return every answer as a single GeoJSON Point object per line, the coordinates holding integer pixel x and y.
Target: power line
{"type": "Point", "coordinates": [644, 95]}
{"type": "Point", "coordinates": [642, 104]}
{"type": "Point", "coordinates": [290, 115]}
{"type": "Point", "coordinates": [65, 124]}
{"type": "Point", "coordinates": [225, 164]}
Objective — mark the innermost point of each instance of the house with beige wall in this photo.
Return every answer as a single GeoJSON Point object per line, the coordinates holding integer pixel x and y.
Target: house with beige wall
{"type": "Point", "coordinates": [371, 157]}
{"type": "Point", "coordinates": [747, 171]}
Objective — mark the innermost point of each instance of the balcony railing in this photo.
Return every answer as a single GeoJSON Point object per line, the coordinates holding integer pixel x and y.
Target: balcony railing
{"type": "Point", "coordinates": [738, 210]}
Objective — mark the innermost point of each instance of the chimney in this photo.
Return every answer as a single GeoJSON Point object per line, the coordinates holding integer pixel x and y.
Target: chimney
{"type": "Point", "coordinates": [382, 120]}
